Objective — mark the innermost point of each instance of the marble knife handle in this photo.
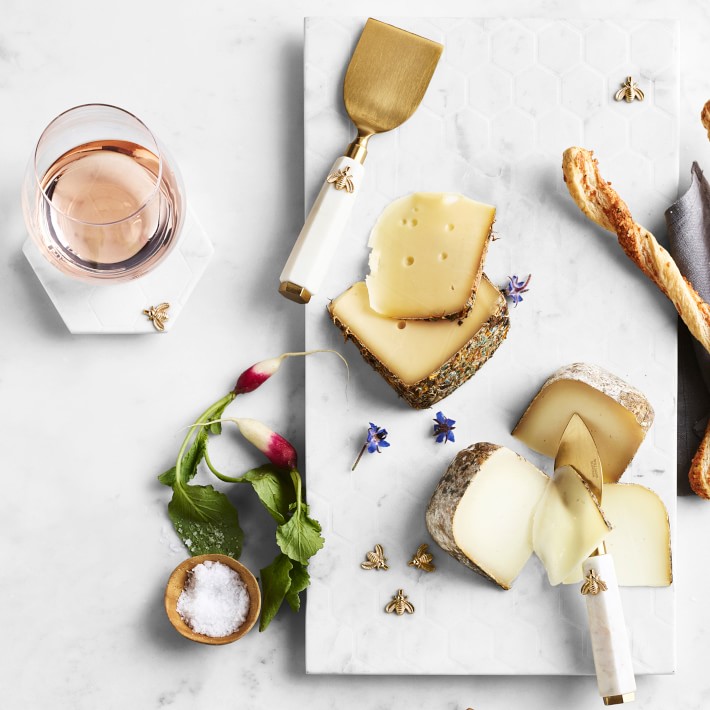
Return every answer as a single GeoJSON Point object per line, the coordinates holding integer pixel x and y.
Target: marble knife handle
{"type": "Point", "coordinates": [610, 641]}
{"type": "Point", "coordinates": [319, 239]}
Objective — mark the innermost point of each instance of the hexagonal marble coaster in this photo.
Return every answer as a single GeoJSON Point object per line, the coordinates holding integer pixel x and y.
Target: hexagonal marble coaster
{"type": "Point", "coordinates": [118, 308]}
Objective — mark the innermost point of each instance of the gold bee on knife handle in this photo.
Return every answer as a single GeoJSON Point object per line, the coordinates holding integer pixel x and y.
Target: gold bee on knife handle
{"type": "Point", "coordinates": [422, 559]}
{"type": "Point", "coordinates": [342, 179]}
{"type": "Point", "coordinates": [629, 91]}
{"type": "Point", "coordinates": [399, 604]}
{"type": "Point", "coordinates": [593, 584]}
{"type": "Point", "coordinates": [157, 315]}
{"type": "Point", "coordinates": [375, 559]}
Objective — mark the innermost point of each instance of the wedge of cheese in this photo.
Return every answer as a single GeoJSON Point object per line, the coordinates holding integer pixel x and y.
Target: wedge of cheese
{"type": "Point", "coordinates": [427, 255]}
{"type": "Point", "coordinates": [617, 415]}
{"type": "Point", "coordinates": [481, 512]}
{"type": "Point", "coordinates": [568, 525]}
{"type": "Point", "coordinates": [424, 361]}
{"type": "Point", "coordinates": [640, 541]}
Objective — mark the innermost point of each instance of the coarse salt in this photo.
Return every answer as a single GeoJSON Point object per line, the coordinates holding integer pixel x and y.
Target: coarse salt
{"type": "Point", "coordinates": [214, 601]}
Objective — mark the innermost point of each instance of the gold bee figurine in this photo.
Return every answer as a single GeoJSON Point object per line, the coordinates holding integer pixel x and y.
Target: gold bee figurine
{"type": "Point", "coordinates": [376, 559]}
{"type": "Point", "coordinates": [593, 584]}
{"type": "Point", "coordinates": [157, 315]}
{"type": "Point", "coordinates": [422, 559]}
{"type": "Point", "coordinates": [629, 91]}
{"type": "Point", "coordinates": [342, 179]}
{"type": "Point", "coordinates": [399, 604]}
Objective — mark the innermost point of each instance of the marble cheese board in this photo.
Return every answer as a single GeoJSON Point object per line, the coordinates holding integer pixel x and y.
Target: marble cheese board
{"type": "Point", "coordinates": [507, 98]}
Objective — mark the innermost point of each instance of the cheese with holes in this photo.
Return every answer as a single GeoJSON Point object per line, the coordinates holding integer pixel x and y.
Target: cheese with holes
{"type": "Point", "coordinates": [568, 525]}
{"type": "Point", "coordinates": [640, 540]}
{"type": "Point", "coordinates": [427, 255]}
{"type": "Point", "coordinates": [424, 361]}
{"type": "Point", "coordinates": [481, 512]}
{"type": "Point", "coordinates": [617, 415]}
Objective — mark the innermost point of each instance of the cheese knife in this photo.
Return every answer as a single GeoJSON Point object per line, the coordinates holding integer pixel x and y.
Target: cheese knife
{"type": "Point", "coordinates": [610, 642]}
{"type": "Point", "coordinates": [385, 82]}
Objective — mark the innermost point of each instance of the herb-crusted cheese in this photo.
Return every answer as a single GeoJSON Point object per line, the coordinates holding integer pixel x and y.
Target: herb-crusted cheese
{"type": "Point", "coordinates": [427, 255]}
{"type": "Point", "coordinates": [423, 360]}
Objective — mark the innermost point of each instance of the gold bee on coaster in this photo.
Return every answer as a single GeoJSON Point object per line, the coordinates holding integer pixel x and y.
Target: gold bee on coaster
{"type": "Point", "coordinates": [157, 315]}
{"type": "Point", "coordinates": [399, 604]}
{"type": "Point", "coordinates": [375, 559]}
{"type": "Point", "coordinates": [629, 91]}
{"type": "Point", "coordinates": [422, 559]}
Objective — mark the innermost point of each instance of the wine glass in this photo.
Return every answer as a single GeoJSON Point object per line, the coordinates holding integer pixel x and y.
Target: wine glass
{"type": "Point", "coordinates": [101, 198]}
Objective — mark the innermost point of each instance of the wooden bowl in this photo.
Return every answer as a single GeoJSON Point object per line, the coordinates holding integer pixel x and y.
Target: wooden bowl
{"type": "Point", "coordinates": [176, 583]}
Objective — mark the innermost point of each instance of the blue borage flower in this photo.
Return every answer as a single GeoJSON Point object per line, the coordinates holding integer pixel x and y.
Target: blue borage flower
{"type": "Point", "coordinates": [376, 438]}
{"type": "Point", "coordinates": [444, 428]}
{"type": "Point", "coordinates": [516, 288]}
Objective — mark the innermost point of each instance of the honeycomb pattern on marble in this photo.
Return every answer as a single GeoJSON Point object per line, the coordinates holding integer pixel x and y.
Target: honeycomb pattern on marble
{"type": "Point", "coordinates": [506, 99]}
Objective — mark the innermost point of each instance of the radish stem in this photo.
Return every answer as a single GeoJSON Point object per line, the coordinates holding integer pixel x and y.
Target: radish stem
{"type": "Point", "coordinates": [205, 416]}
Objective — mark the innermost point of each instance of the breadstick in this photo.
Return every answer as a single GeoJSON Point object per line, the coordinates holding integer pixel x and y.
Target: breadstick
{"type": "Point", "coordinates": [699, 474]}
{"type": "Point", "coordinates": [600, 202]}
{"type": "Point", "coordinates": [705, 117]}
{"type": "Point", "coordinates": [602, 205]}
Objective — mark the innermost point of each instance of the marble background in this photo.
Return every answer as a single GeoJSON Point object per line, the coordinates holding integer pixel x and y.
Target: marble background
{"type": "Point", "coordinates": [88, 421]}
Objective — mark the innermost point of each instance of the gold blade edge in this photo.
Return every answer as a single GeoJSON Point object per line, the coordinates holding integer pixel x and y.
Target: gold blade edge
{"type": "Point", "coordinates": [578, 450]}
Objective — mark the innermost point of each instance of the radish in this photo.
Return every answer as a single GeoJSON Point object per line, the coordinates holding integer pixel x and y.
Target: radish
{"type": "Point", "coordinates": [206, 519]}
{"type": "Point", "coordinates": [278, 450]}
{"type": "Point", "coordinates": [252, 378]}
{"type": "Point", "coordinates": [258, 373]}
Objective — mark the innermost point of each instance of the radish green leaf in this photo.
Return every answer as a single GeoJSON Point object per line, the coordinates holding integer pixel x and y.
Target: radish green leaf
{"type": "Point", "coordinates": [299, 581]}
{"type": "Point", "coordinates": [205, 520]}
{"type": "Point", "coordinates": [275, 583]}
{"type": "Point", "coordinates": [274, 488]}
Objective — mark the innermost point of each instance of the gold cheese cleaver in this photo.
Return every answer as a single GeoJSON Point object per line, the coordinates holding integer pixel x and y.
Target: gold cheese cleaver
{"type": "Point", "coordinates": [610, 643]}
{"type": "Point", "coordinates": [385, 82]}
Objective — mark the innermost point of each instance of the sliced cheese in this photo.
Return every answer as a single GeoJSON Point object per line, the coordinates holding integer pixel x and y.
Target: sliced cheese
{"type": "Point", "coordinates": [427, 255]}
{"type": "Point", "coordinates": [640, 541]}
{"type": "Point", "coordinates": [423, 360]}
{"type": "Point", "coordinates": [482, 510]}
{"type": "Point", "coordinates": [617, 415]}
{"type": "Point", "coordinates": [568, 525]}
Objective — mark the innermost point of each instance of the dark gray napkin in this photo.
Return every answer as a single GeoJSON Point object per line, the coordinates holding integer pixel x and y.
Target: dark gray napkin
{"type": "Point", "coordinates": [688, 222]}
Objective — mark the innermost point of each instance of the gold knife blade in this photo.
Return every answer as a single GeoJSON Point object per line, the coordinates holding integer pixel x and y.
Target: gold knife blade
{"type": "Point", "coordinates": [577, 449]}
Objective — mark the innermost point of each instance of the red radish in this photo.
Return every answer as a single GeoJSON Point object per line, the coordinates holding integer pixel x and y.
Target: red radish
{"type": "Point", "coordinates": [258, 373]}
{"type": "Point", "coordinates": [275, 447]}
{"type": "Point", "coordinates": [207, 521]}
{"type": "Point", "coordinates": [252, 378]}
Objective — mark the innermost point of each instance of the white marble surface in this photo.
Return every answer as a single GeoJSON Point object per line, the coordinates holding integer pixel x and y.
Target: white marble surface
{"type": "Point", "coordinates": [88, 421]}
{"type": "Point", "coordinates": [508, 96]}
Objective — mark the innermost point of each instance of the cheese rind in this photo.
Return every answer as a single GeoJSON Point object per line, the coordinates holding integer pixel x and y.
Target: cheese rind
{"type": "Point", "coordinates": [482, 510]}
{"type": "Point", "coordinates": [640, 540]}
{"type": "Point", "coordinates": [492, 508]}
{"type": "Point", "coordinates": [568, 525]}
{"type": "Point", "coordinates": [427, 255]}
{"type": "Point", "coordinates": [616, 413]}
{"type": "Point", "coordinates": [424, 361]}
